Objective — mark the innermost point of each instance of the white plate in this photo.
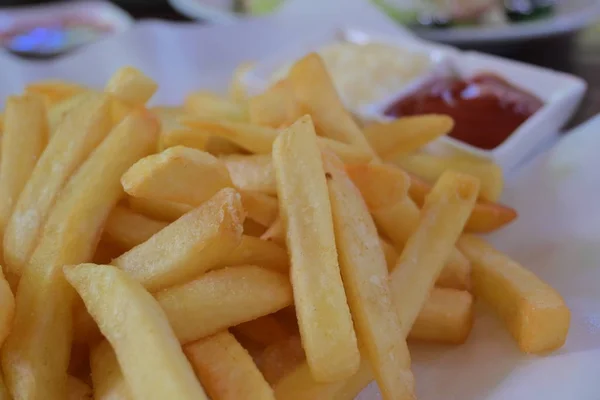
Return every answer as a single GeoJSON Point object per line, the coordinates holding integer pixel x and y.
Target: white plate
{"type": "Point", "coordinates": [560, 92]}
{"type": "Point", "coordinates": [571, 15]}
{"type": "Point", "coordinates": [557, 235]}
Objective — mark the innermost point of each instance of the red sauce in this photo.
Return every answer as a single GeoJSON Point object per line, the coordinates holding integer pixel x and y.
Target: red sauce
{"type": "Point", "coordinates": [486, 108]}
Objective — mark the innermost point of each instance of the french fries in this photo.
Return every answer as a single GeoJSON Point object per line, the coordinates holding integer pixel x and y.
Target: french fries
{"type": "Point", "coordinates": [275, 107]}
{"type": "Point", "coordinates": [223, 298]}
{"type": "Point", "coordinates": [128, 229]}
{"type": "Point", "coordinates": [54, 91]}
{"type": "Point", "coordinates": [408, 134]}
{"type": "Point", "coordinates": [226, 370]}
{"type": "Point", "coordinates": [280, 358]}
{"type": "Point", "coordinates": [260, 207]}
{"type": "Point", "coordinates": [79, 133]}
{"type": "Point", "coordinates": [534, 313]}
{"type": "Point", "coordinates": [161, 210]}
{"type": "Point", "coordinates": [365, 276]}
{"type": "Point", "coordinates": [173, 133]}
{"type": "Point", "coordinates": [107, 377]}
{"type": "Point", "coordinates": [77, 389]}
{"type": "Point", "coordinates": [446, 317]}
{"type": "Point", "coordinates": [23, 140]}
{"type": "Point", "coordinates": [35, 356]}
{"type": "Point", "coordinates": [174, 175]}
{"type": "Point", "coordinates": [131, 86]}
{"type": "Point", "coordinates": [443, 216]}
{"type": "Point", "coordinates": [3, 391]}
{"type": "Point", "coordinates": [275, 233]}
{"type": "Point", "coordinates": [237, 88]}
{"type": "Point", "coordinates": [208, 105]}
{"type": "Point", "coordinates": [255, 251]}
{"type": "Point", "coordinates": [188, 247]}
{"type": "Point", "coordinates": [263, 331]}
{"type": "Point", "coordinates": [430, 167]}
{"type": "Point", "coordinates": [318, 291]}
{"type": "Point", "coordinates": [151, 359]}
{"type": "Point", "coordinates": [486, 216]}
{"type": "Point", "coordinates": [7, 308]}
{"type": "Point", "coordinates": [252, 173]}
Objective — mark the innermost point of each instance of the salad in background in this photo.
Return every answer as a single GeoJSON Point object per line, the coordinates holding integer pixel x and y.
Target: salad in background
{"type": "Point", "coordinates": [452, 13]}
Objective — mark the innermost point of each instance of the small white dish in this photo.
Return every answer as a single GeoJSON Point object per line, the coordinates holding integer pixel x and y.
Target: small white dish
{"type": "Point", "coordinates": [560, 92]}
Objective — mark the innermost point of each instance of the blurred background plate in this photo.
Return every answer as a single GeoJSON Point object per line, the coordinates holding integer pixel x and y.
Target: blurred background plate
{"type": "Point", "coordinates": [570, 16]}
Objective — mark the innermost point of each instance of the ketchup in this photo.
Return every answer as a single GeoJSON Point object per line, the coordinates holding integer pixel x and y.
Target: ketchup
{"type": "Point", "coordinates": [486, 108]}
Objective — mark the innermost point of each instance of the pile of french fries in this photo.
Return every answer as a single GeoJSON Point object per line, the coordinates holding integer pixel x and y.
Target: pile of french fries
{"type": "Point", "coordinates": [237, 247]}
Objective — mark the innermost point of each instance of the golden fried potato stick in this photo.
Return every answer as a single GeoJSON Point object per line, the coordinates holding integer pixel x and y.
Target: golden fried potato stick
{"type": "Point", "coordinates": [353, 386]}
{"type": "Point", "coordinates": [56, 112]}
{"type": "Point", "coordinates": [54, 91]}
{"type": "Point", "coordinates": [3, 390]}
{"type": "Point", "coordinates": [127, 229]}
{"type": "Point", "coordinates": [259, 139]}
{"type": "Point", "coordinates": [446, 317]}
{"type": "Point", "coordinates": [280, 358]}
{"type": "Point", "coordinates": [442, 220]}
{"type": "Point", "coordinates": [23, 140]}
{"type": "Point", "coordinates": [255, 251]}
{"type": "Point", "coordinates": [7, 308]}
{"type": "Point", "coordinates": [385, 189]}
{"type": "Point", "coordinates": [486, 216]}
{"type": "Point", "coordinates": [173, 133]}
{"type": "Point", "coordinates": [263, 331]}
{"type": "Point", "coordinates": [131, 85]}
{"type": "Point", "coordinates": [77, 389]}
{"type": "Point", "coordinates": [78, 134]}
{"type": "Point", "coordinates": [260, 207]}
{"type": "Point", "coordinates": [107, 377]}
{"type": "Point", "coordinates": [209, 105]}
{"type": "Point", "coordinates": [430, 167]}
{"type": "Point", "coordinates": [275, 233]}
{"type": "Point", "coordinates": [226, 370]}
{"type": "Point", "coordinates": [150, 357]}
{"type": "Point", "coordinates": [407, 134]}
{"type": "Point", "coordinates": [223, 298]}
{"type": "Point", "coordinates": [390, 253]}
{"type": "Point", "coordinates": [35, 356]}
{"type": "Point", "coordinates": [276, 107]}
{"type": "Point", "coordinates": [365, 275]}
{"type": "Point", "coordinates": [323, 314]}
{"type": "Point", "coordinates": [252, 172]}
{"type": "Point", "coordinates": [237, 88]}
{"type": "Point", "coordinates": [177, 174]}
{"type": "Point", "coordinates": [160, 210]}
{"type": "Point", "coordinates": [534, 313]}
{"type": "Point", "coordinates": [188, 247]}
{"type": "Point", "coordinates": [316, 95]}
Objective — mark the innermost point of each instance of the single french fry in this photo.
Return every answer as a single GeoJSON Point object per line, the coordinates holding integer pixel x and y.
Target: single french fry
{"type": "Point", "coordinates": [252, 172]}
{"type": "Point", "coordinates": [442, 220]}
{"type": "Point", "coordinates": [486, 216]}
{"type": "Point", "coordinates": [365, 275]}
{"type": "Point", "coordinates": [349, 153]}
{"type": "Point", "coordinates": [35, 356]}
{"type": "Point", "coordinates": [7, 308]}
{"type": "Point", "coordinates": [260, 207]}
{"type": "Point", "coordinates": [24, 138]}
{"type": "Point", "coordinates": [300, 385]}
{"type": "Point", "coordinates": [77, 389]}
{"type": "Point", "coordinates": [446, 317]}
{"type": "Point", "coordinates": [177, 174]}
{"type": "Point", "coordinates": [275, 233]}
{"type": "Point", "coordinates": [188, 247]}
{"type": "Point", "coordinates": [237, 88]}
{"type": "Point", "coordinates": [315, 273]}
{"type": "Point", "coordinates": [263, 331]}
{"type": "Point", "coordinates": [173, 133]}
{"type": "Point", "coordinates": [54, 91]}
{"type": "Point", "coordinates": [385, 189]}
{"type": "Point", "coordinates": [79, 133]}
{"type": "Point", "coordinates": [131, 85]}
{"type": "Point", "coordinates": [316, 95]}
{"type": "Point", "coordinates": [160, 210]}
{"type": "Point", "coordinates": [107, 377]}
{"type": "Point", "coordinates": [430, 167]}
{"type": "Point", "coordinates": [56, 112]}
{"type": "Point", "coordinates": [3, 389]}
{"type": "Point", "coordinates": [390, 253]}
{"type": "Point", "coordinates": [223, 298]}
{"type": "Point", "coordinates": [275, 107]}
{"type": "Point", "coordinates": [354, 385]}
{"type": "Point", "coordinates": [533, 312]}
{"type": "Point", "coordinates": [255, 251]}
{"type": "Point", "coordinates": [280, 358]}
{"type": "Point", "coordinates": [128, 229]}
{"type": "Point", "coordinates": [209, 105]}
{"type": "Point", "coordinates": [150, 357]}
{"type": "Point", "coordinates": [226, 370]}
{"type": "Point", "coordinates": [407, 134]}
